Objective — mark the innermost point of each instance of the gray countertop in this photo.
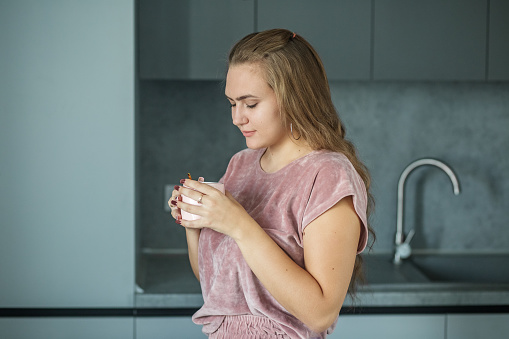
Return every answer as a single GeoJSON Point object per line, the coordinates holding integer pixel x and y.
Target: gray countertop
{"type": "Point", "coordinates": [478, 280]}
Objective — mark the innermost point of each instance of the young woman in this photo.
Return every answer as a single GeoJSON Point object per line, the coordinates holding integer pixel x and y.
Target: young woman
{"type": "Point", "coordinates": [277, 254]}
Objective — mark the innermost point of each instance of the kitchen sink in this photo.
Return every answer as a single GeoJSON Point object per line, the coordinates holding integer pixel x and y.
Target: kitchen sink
{"type": "Point", "coordinates": [467, 268]}
{"type": "Point", "coordinates": [440, 271]}
{"type": "Point", "coordinates": [379, 270]}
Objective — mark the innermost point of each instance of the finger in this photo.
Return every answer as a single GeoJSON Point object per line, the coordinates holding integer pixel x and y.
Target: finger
{"type": "Point", "coordinates": [175, 193]}
{"type": "Point", "coordinates": [175, 213]}
{"type": "Point", "coordinates": [171, 204]}
{"type": "Point", "coordinates": [178, 219]}
{"type": "Point", "coordinates": [192, 193]}
{"type": "Point", "coordinates": [173, 201]}
{"type": "Point", "coordinates": [198, 186]}
{"type": "Point", "coordinates": [189, 208]}
{"type": "Point", "coordinates": [194, 224]}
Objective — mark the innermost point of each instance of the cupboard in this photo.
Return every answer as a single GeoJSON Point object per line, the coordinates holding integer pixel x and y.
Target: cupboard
{"type": "Point", "coordinates": [433, 40]}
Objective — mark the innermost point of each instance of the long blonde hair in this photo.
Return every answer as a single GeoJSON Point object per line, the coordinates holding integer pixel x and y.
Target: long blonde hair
{"type": "Point", "coordinates": [295, 72]}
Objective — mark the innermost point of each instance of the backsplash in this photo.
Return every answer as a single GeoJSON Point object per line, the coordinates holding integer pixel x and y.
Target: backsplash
{"type": "Point", "coordinates": [185, 126]}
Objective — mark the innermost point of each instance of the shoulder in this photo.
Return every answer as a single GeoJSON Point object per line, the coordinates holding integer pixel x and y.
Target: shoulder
{"type": "Point", "coordinates": [333, 172]}
{"type": "Point", "coordinates": [326, 157]}
{"type": "Point", "coordinates": [330, 165]}
{"type": "Point", "coordinates": [335, 177]}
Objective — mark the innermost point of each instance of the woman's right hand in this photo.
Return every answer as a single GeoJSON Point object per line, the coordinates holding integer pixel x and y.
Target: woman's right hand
{"type": "Point", "coordinates": [175, 211]}
{"type": "Point", "coordinates": [176, 196]}
{"type": "Point", "coordinates": [192, 235]}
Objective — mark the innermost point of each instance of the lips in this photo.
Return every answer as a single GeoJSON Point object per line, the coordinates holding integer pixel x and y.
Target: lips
{"type": "Point", "coordinates": [248, 133]}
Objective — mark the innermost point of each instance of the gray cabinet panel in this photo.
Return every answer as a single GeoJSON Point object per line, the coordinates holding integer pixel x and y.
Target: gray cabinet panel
{"type": "Point", "coordinates": [477, 326]}
{"type": "Point", "coordinates": [190, 39]}
{"type": "Point", "coordinates": [498, 68]}
{"type": "Point", "coordinates": [430, 40]}
{"type": "Point", "coordinates": [65, 328]}
{"type": "Point", "coordinates": [338, 30]}
{"type": "Point", "coordinates": [168, 328]}
{"type": "Point", "coordinates": [390, 326]}
{"type": "Point", "coordinates": [163, 38]}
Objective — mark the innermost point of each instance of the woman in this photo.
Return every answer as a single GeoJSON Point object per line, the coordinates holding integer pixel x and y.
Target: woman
{"type": "Point", "coordinates": [277, 253]}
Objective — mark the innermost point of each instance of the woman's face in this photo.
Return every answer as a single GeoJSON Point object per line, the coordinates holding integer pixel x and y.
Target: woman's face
{"type": "Point", "coordinates": [254, 106]}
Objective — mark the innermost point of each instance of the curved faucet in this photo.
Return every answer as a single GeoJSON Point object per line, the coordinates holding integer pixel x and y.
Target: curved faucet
{"type": "Point", "coordinates": [403, 249]}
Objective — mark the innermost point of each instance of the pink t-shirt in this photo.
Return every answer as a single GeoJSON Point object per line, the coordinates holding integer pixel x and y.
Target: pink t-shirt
{"type": "Point", "coordinates": [283, 203]}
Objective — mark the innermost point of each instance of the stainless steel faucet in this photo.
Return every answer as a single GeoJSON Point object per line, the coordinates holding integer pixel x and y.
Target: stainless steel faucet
{"type": "Point", "coordinates": [402, 243]}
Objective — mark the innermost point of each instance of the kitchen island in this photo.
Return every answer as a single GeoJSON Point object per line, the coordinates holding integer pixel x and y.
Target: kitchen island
{"type": "Point", "coordinates": [427, 296]}
{"type": "Point", "coordinates": [435, 282]}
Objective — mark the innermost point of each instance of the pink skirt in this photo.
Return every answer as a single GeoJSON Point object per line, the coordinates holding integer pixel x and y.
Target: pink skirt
{"type": "Point", "coordinates": [248, 327]}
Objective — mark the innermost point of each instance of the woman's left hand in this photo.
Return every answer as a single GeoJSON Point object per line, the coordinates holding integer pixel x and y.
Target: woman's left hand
{"type": "Point", "coordinates": [218, 211]}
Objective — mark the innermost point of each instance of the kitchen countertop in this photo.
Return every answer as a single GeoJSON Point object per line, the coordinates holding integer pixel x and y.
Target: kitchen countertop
{"type": "Point", "coordinates": [440, 281]}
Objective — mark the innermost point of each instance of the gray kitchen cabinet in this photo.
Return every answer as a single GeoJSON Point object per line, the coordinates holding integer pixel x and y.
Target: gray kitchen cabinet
{"type": "Point", "coordinates": [190, 39]}
{"type": "Point", "coordinates": [498, 54]}
{"type": "Point", "coordinates": [340, 31]}
{"type": "Point", "coordinates": [430, 40]}
{"type": "Point", "coordinates": [477, 326]}
{"type": "Point", "coordinates": [65, 328]}
{"type": "Point", "coordinates": [168, 328]}
{"type": "Point", "coordinates": [67, 154]}
{"type": "Point", "coordinates": [390, 326]}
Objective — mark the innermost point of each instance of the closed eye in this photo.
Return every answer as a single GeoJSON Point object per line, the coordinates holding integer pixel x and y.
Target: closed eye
{"type": "Point", "coordinates": [248, 106]}
{"type": "Point", "coordinates": [242, 99]}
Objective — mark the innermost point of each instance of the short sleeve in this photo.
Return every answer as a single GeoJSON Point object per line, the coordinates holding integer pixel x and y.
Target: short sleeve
{"type": "Point", "coordinates": [333, 182]}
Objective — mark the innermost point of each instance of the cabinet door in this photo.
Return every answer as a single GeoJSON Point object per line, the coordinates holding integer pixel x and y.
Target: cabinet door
{"type": "Point", "coordinates": [67, 154]}
{"type": "Point", "coordinates": [430, 40]}
{"type": "Point", "coordinates": [340, 31]}
{"type": "Point", "coordinates": [65, 328]}
{"type": "Point", "coordinates": [167, 328]}
{"type": "Point", "coordinates": [190, 39]}
{"type": "Point", "coordinates": [477, 326]}
{"type": "Point", "coordinates": [389, 326]}
{"type": "Point", "coordinates": [498, 67]}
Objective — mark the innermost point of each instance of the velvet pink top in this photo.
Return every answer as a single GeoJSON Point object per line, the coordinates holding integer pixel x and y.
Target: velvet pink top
{"type": "Point", "coordinates": [283, 203]}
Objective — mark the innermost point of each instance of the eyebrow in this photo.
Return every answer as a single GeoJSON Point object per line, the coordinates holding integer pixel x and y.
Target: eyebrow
{"type": "Point", "coordinates": [247, 96]}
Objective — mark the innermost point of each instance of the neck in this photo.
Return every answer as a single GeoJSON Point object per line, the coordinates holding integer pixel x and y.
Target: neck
{"type": "Point", "coordinates": [277, 157]}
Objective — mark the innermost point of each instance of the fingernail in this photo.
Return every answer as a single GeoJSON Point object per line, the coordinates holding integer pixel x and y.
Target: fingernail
{"type": "Point", "coordinates": [176, 187]}
{"type": "Point", "coordinates": [178, 222]}
{"type": "Point", "coordinates": [173, 202]}
{"type": "Point", "coordinates": [182, 181]}
{"type": "Point", "coordinates": [179, 198]}
{"type": "Point", "coordinates": [201, 179]}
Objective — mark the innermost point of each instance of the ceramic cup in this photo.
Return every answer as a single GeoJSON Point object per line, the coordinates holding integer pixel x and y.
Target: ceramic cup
{"type": "Point", "coordinates": [189, 216]}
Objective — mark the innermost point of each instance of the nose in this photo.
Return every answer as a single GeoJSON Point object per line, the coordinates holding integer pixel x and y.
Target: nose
{"type": "Point", "coordinates": [238, 116]}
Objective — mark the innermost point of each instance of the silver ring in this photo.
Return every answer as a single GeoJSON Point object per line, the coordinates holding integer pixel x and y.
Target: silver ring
{"type": "Point", "coordinates": [199, 200]}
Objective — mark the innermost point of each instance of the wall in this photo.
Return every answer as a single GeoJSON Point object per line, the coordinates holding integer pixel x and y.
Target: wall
{"type": "Point", "coordinates": [186, 127]}
{"type": "Point", "coordinates": [66, 153]}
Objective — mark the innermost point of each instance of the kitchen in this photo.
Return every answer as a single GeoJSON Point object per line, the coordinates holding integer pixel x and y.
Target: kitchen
{"type": "Point", "coordinates": [86, 147]}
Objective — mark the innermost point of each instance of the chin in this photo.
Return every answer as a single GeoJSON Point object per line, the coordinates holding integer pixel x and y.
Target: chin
{"type": "Point", "coordinates": [254, 145]}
